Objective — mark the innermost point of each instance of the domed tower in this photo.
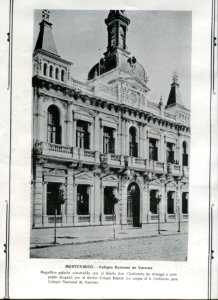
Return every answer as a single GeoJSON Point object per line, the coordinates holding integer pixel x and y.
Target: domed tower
{"type": "Point", "coordinates": [118, 66]}
{"type": "Point", "coordinates": [117, 55]}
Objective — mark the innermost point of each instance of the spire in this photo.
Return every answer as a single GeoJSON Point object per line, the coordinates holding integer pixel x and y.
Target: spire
{"type": "Point", "coordinates": [174, 96]}
{"type": "Point", "coordinates": [45, 39]}
{"type": "Point", "coordinates": [117, 23]}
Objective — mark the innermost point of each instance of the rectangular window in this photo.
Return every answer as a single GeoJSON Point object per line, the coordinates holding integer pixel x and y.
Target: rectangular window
{"type": "Point", "coordinates": [53, 201]}
{"type": "Point", "coordinates": [82, 135]}
{"type": "Point", "coordinates": [185, 160]}
{"type": "Point", "coordinates": [185, 203]}
{"type": "Point", "coordinates": [170, 152]}
{"type": "Point", "coordinates": [153, 202]}
{"type": "Point", "coordinates": [108, 140]}
{"type": "Point", "coordinates": [170, 202]}
{"type": "Point", "coordinates": [153, 149]}
{"type": "Point", "coordinates": [109, 200]}
{"type": "Point", "coordinates": [83, 199]}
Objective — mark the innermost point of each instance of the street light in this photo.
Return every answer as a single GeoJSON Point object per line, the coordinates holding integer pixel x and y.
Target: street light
{"type": "Point", "coordinates": [158, 200]}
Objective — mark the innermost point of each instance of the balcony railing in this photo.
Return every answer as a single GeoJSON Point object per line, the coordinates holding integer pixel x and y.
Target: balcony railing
{"type": "Point", "coordinates": [84, 218]}
{"type": "Point", "coordinates": [113, 159]}
{"type": "Point", "coordinates": [55, 150]}
{"type": "Point", "coordinates": [89, 156]}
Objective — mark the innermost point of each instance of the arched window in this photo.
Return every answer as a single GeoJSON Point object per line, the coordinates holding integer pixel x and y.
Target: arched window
{"type": "Point", "coordinates": [51, 71]}
{"type": "Point", "coordinates": [54, 128]}
{"type": "Point", "coordinates": [184, 154]}
{"type": "Point", "coordinates": [56, 73]}
{"type": "Point", "coordinates": [133, 145]}
{"type": "Point", "coordinates": [62, 75]}
{"type": "Point", "coordinates": [45, 69]}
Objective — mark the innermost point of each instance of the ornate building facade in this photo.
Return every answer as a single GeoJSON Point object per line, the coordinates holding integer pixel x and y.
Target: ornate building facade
{"type": "Point", "coordinates": [102, 152]}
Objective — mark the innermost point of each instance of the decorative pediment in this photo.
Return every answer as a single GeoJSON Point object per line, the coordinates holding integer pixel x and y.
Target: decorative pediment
{"type": "Point", "coordinates": [84, 176]}
{"type": "Point", "coordinates": [156, 182]}
{"type": "Point", "coordinates": [55, 172]}
{"type": "Point", "coordinates": [171, 184]}
{"type": "Point", "coordinates": [111, 178]}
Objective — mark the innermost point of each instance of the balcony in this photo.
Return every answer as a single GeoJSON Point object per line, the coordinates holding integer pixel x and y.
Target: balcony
{"type": "Point", "coordinates": [69, 153]}
{"type": "Point", "coordinates": [185, 171]}
{"type": "Point", "coordinates": [155, 166]}
{"type": "Point", "coordinates": [85, 155]}
{"type": "Point", "coordinates": [113, 160]}
{"type": "Point", "coordinates": [54, 150]}
{"type": "Point", "coordinates": [175, 169]}
{"type": "Point", "coordinates": [136, 163]}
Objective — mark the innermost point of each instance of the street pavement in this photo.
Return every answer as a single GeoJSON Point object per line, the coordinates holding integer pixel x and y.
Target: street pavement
{"type": "Point", "coordinates": [159, 247]}
{"type": "Point", "coordinates": [112, 242]}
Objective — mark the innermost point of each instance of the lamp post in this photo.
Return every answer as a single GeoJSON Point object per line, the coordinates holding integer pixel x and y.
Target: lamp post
{"type": "Point", "coordinates": [158, 199]}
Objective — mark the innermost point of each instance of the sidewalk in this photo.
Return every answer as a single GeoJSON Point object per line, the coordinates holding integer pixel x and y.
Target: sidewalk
{"type": "Point", "coordinates": [44, 237]}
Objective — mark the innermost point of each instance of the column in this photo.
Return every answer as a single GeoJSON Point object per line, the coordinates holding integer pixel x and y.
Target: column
{"type": "Point", "coordinates": [127, 138]}
{"type": "Point", "coordinates": [42, 129]}
{"type": "Point", "coordinates": [119, 136]}
{"type": "Point", "coordinates": [75, 216]}
{"type": "Point", "coordinates": [70, 197]}
{"type": "Point", "coordinates": [97, 199]}
{"type": "Point", "coordinates": [101, 204]}
{"type": "Point", "coordinates": [92, 205]}
{"type": "Point", "coordinates": [123, 135]}
{"type": "Point", "coordinates": [74, 131]}
{"type": "Point", "coordinates": [101, 137]}
{"type": "Point", "coordinates": [44, 203]}
{"type": "Point", "coordinates": [143, 155]}
{"type": "Point", "coordinates": [163, 204]}
{"type": "Point", "coordinates": [96, 131]}
{"type": "Point", "coordinates": [69, 125]}
{"type": "Point", "coordinates": [124, 203]}
{"type": "Point", "coordinates": [63, 205]}
{"type": "Point", "coordinates": [38, 196]}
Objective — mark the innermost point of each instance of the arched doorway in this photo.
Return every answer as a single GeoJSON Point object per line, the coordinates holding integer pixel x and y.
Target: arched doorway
{"type": "Point", "coordinates": [133, 205]}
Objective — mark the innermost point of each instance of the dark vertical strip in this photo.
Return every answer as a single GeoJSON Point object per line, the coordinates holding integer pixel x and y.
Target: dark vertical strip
{"type": "Point", "coordinates": [10, 38]}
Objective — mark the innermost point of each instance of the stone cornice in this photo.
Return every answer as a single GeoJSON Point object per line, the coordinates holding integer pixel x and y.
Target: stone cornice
{"type": "Point", "coordinates": [128, 112]}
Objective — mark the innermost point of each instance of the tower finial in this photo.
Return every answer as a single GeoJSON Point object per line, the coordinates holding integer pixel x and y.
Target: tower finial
{"type": "Point", "coordinates": [175, 77]}
{"type": "Point", "coordinates": [45, 14]}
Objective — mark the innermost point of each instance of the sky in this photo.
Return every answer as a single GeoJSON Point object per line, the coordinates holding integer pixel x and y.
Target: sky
{"type": "Point", "coordinates": [160, 41]}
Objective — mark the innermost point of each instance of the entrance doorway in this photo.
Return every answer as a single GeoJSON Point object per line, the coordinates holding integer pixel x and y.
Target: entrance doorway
{"type": "Point", "coordinates": [133, 205]}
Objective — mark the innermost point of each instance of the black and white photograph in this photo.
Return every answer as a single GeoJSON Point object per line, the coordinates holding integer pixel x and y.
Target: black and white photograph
{"type": "Point", "coordinates": [111, 134]}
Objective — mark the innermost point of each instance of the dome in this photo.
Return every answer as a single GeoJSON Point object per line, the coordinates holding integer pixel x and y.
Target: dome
{"type": "Point", "coordinates": [118, 60]}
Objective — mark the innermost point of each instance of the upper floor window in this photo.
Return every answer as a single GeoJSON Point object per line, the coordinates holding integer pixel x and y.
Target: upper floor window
{"type": "Point", "coordinates": [133, 145]}
{"type": "Point", "coordinates": [57, 73]}
{"type": "Point", "coordinates": [83, 199]}
{"type": "Point", "coordinates": [62, 75]}
{"type": "Point", "coordinates": [54, 129]}
{"type": "Point", "coordinates": [45, 69]}
{"type": "Point", "coordinates": [51, 71]}
{"type": "Point", "coordinates": [108, 140]}
{"type": "Point", "coordinates": [184, 154]}
{"type": "Point", "coordinates": [170, 152]}
{"type": "Point", "coordinates": [153, 150]}
{"type": "Point", "coordinates": [82, 135]}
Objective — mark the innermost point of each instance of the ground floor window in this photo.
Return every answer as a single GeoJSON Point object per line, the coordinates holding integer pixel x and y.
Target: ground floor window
{"type": "Point", "coordinates": [53, 199]}
{"type": "Point", "coordinates": [185, 203]}
{"type": "Point", "coordinates": [83, 199]}
{"type": "Point", "coordinates": [153, 202]}
{"type": "Point", "coordinates": [109, 200]}
{"type": "Point", "coordinates": [170, 202]}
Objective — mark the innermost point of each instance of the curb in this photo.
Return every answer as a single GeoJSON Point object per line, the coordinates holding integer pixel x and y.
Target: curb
{"type": "Point", "coordinates": [104, 240]}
